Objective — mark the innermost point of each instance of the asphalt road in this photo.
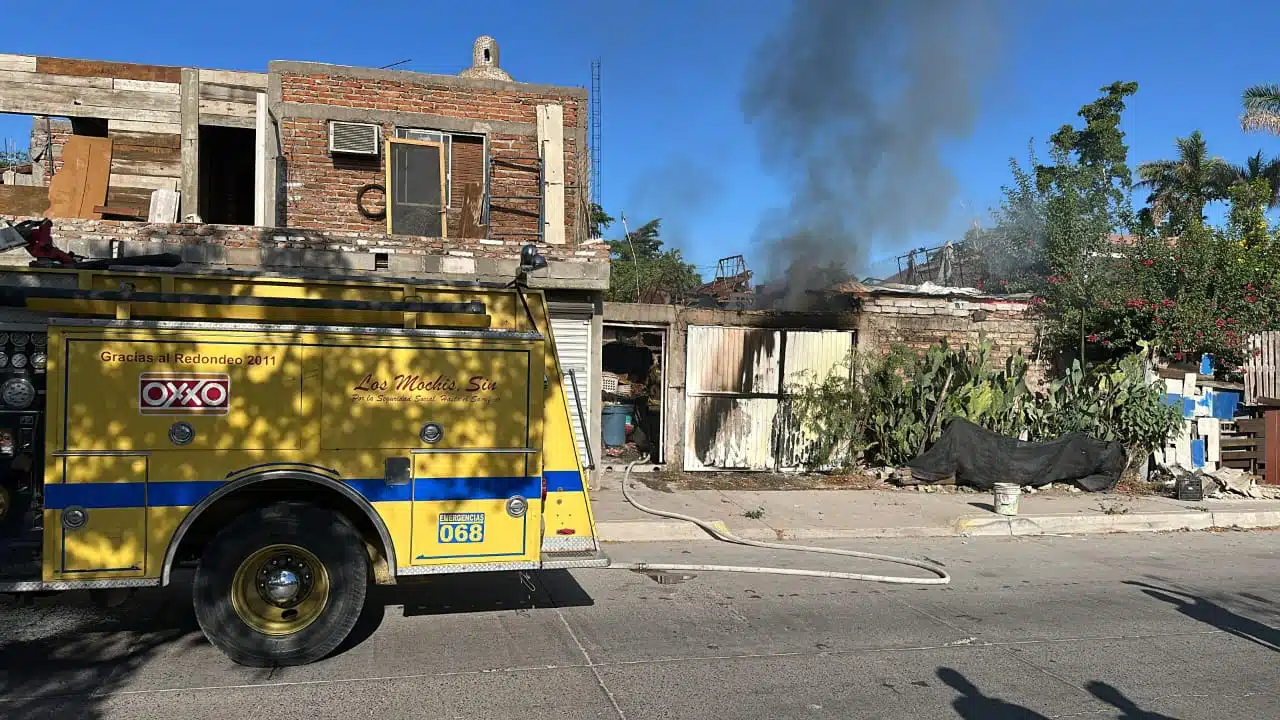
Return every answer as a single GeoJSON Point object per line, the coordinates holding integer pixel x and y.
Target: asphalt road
{"type": "Point", "coordinates": [1145, 627]}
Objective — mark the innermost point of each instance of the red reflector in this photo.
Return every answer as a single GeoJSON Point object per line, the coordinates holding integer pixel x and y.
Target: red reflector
{"type": "Point", "coordinates": [566, 531]}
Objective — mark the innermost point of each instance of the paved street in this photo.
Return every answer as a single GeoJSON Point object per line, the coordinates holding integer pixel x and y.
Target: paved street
{"type": "Point", "coordinates": [1183, 625]}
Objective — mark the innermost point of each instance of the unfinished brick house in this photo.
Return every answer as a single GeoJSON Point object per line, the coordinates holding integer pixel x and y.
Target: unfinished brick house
{"type": "Point", "coordinates": [317, 168]}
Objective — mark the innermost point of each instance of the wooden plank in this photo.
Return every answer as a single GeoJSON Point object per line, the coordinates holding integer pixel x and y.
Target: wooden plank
{"type": "Point", "coordinates": [164, 207]}
{"type": "Point", "coordinates": [471, 202]}
{"type": "Point", "coordinates": [247, 123]}
{"type": "Point", "coordinates": [129, 197]}
{"type": "Point", "coordinates": [21, 63]}
{"type": "Point", "coordinates": [1272, 448]}
{"type": "Point", "coordinates": [145, 86]}
{"type": "Point", "coordinates": [35, 78]}
{"type": "Point", "coordinates": [234, 77]}
{"type": "Point", "coordinates": [98, 68]}
{"type": "Point", "coordinates": [190, 118]}
{"type": "Point", "coordinates": [24, 200]}
{"type": "Point", "coordinates": [135, 139]}
{"type": "Point", "coordinates": [145, 153]}
{"type": "Point", "coordinates": [144, 181]}
{"type": "Point", "coordinates": [132, 213]}
{"type": "Point", "coordinates": [155, 128]}
{"type": "Point", "coordinates": [71, 95]}
{"type": "Point", "coordinates": [31, 107]}
{"type": "Point", "coordinates": [551, 148]}
{"type": "Point", "coordinates": [228, 108]}
{"type": "Point", "coordinates": [1251, 425]}
{"type": "Point", "coordinates": [228, 94]}
{"type": "Point", "coordinates": [261, 136]}
{"type": "Point", "coordinates": [154, 168]}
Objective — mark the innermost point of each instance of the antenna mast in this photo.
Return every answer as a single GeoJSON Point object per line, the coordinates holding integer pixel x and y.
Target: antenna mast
{"type": "Point", "coordinates": [596, 193]}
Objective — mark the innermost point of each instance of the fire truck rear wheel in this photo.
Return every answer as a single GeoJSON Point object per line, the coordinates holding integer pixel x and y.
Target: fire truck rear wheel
{"type": "Point", "coordinates": [282, 585]}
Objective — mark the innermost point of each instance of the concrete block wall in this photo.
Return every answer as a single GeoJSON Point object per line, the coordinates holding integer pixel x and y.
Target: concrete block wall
{"type": "Point", "coordinates": [921, 322]}
{"type": "Point", "coordinates": [292, 249]}
{"type": "Point", "coordinates": [319, 188]}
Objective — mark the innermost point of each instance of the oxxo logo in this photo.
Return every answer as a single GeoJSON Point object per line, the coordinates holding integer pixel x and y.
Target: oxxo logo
{"type": "Point", "coordinates": [184, 393]}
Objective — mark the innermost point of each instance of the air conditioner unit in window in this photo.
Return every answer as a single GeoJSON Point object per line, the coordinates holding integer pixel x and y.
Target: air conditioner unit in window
{"type": "Point", "coordinates": [354, 138]}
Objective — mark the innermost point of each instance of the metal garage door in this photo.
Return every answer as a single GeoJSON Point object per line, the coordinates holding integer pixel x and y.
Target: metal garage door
{"type": "Point", "coordinates": [737, 409]}
{"type": "Point", "coordinates": [573, 349]}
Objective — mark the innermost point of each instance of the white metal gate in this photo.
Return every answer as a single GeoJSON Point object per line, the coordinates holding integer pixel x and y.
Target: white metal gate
{"type": "Point", "coordinates": [572, 333]}
{"type": "Point", "coordinates": [737, 414]}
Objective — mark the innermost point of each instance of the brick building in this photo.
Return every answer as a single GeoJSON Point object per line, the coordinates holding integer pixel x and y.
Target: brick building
{"type": "Point", "coordinates": [311, 168]}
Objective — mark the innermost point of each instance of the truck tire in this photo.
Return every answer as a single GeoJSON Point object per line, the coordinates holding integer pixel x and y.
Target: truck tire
{"type": "Point", "coordinates": [281, 585]}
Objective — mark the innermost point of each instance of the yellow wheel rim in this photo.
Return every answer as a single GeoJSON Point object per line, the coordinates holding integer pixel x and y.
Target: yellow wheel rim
{"type": "Point", "coordinates": [280, 589]}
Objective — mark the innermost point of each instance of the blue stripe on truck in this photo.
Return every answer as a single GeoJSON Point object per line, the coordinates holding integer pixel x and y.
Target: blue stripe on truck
{"type": "Point", "coordinates": [187, 493]}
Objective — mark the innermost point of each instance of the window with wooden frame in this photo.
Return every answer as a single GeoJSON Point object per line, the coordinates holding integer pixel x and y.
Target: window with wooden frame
{"type": "Point", "coordinates": [464, 157]}
{"type": "Point", "coordinates": [416, 187]}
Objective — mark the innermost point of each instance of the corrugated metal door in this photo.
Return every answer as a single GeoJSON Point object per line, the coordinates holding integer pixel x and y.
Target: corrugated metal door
{"type": "Point", "coordinates": [572, 333]}
{"type": "Point", "coordinates": [736, 415]}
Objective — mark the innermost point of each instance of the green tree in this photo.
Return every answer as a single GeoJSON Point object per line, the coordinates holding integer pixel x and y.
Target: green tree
{"type": "Point", "coordinates": [1259, 167]}
{"type": "Point", "coordinates": [641, 267]}
{"type": "Point", "coordinates": [1181, 188]}
{"type": "Point", "coordinates": [1261, 109]}
{"type": "Point", "coordinates": [1085, 193]}
{"type": "Point", "coordinates": [598, 220]}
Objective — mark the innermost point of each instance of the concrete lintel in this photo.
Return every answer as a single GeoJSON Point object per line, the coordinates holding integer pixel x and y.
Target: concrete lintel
{"type": "Point", "coordinates": [318, 111]}
{"type": "Point", "coordinates": [278, 67]}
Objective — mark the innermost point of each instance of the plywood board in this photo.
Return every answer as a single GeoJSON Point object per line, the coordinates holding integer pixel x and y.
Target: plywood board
{"type": "Point", "coordinates": [228, 108]}
{"type": "Point", "coordinates": [246, 122]}
{"type": "Point", "coordinates": [164, 206]}
{"type": "Point", "coordinates": [1183, 445]}
{"type": "Point", "coordinates": [82, 183]}
{"type": "Point", "coordinates": [98, 68]}
{"type": "Point", "coordinates": [1189, 385]}
{"type": "Point", "coordinates": [24, 200]}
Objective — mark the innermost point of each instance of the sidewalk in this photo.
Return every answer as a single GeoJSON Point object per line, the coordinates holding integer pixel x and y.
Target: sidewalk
{"type": "Point", "coordinates": [817, 514]}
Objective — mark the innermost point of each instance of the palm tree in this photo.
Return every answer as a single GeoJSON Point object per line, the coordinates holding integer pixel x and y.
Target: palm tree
{"type": "Point", "coordinates": [1258, 167]}
{"type": "Point", "coordinates": [1261, 109]}
{"type": "Point", "coordinates": [1187, 184]}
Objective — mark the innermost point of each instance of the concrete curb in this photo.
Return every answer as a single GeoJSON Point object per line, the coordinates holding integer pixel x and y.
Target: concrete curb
{"type": "Point", "coordinates": [969, 526]}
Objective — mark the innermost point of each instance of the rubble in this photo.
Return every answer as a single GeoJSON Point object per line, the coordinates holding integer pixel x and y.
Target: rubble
{"type": "Point", "coordinates": [1226, 483]}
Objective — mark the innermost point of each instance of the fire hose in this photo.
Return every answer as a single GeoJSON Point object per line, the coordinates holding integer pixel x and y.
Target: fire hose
{"type": "Point", "coordinates": [942, 578]}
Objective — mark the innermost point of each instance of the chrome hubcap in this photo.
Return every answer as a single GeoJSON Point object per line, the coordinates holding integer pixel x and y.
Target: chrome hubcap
{"type": "Point", "coordinates": [281, 586]}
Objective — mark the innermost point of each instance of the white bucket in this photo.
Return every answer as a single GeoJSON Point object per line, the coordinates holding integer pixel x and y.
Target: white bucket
{"type": "Point", "coordinates": [1006, 498]}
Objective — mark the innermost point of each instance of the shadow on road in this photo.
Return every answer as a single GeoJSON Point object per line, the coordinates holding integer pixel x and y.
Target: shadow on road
{"type": "Point", "coordinates": [1112, 696]}
{"type": "Point", "coordinates": [1211, 613]}
{"type": "Point", "coordinates": [974, 705]}
{"type": "Point", "coordinates": [61, 656]}
{"type": "Point", "coordinates": [467, 593]}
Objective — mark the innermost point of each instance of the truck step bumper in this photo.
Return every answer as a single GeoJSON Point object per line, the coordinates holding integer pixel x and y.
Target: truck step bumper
{"type": "Point", "coordinates": [579, 559]}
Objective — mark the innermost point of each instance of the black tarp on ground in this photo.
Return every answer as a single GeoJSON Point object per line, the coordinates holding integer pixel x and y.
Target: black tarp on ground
{"type": "Point", "coordinates": [981, 458]}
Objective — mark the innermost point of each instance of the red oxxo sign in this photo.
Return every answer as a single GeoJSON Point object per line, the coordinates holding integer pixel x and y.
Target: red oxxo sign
{"type": "Point", "coordinates": [184, 393]}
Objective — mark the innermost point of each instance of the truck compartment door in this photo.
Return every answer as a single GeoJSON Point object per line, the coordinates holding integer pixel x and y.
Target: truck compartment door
{"type": "Point", "coordinates": [474, 508]}
{"type": "Point", "coordinates": [100, 512]}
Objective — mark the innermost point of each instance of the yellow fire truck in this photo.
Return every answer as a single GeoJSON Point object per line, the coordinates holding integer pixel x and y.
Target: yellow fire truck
{"type": "Point", "coordinates": [295, 440]}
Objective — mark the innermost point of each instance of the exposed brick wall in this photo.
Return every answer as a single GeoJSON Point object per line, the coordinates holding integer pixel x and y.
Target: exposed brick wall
{"type": "Point", "coordinates": [321, 187]}
{"type": "Point", "coordinates": [54, 135]}
{"type": "Point", "coordinates": [920, 322]}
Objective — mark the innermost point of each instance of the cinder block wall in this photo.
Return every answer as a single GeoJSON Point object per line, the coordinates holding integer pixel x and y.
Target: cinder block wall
{"type": "Point", "coordinates": [920, 322]}
{"type": "Point", "coordinates": [320, 188]}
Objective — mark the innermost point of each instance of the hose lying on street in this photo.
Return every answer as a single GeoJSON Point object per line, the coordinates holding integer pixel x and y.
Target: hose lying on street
{"type": "Point", "coordinates": [942, 577]}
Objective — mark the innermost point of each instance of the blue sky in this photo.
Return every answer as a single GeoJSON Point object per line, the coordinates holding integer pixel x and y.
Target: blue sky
{"type": "Point", "coordinates": [676, 144]}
